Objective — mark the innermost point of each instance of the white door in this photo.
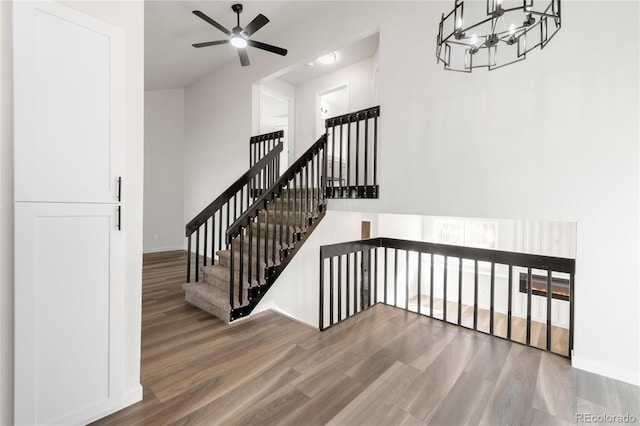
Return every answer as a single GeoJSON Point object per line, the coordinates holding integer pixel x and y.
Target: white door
{"type": "Point", "coordinates": [69, 251]}
{"type": "Point", "coordinates": [68, 318]}
{"type": "Point", "coordinates": [69, 104]}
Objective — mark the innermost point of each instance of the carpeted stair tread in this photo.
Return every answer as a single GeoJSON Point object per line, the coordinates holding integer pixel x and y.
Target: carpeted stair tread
{"type": "Point", "coordinates": [210, 299]}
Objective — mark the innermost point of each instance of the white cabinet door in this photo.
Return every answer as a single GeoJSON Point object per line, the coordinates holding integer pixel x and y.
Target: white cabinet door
{"type": "Point", "coordinates": [68, 318]}
{"type": "Point", "coordinates": [68, 105]}
{"type": "Point", "coordinates": [69, 256]}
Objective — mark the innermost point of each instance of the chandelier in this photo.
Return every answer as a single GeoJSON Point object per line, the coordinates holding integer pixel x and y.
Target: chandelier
{"type": "Point", "coordinates": [500, 35]}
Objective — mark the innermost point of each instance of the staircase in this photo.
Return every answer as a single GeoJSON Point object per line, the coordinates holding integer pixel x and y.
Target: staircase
{"type": "Point", "coordinates": [254, 229]}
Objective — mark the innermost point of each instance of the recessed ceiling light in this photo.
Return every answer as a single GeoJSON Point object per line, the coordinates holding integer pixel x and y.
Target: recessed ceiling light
{"type": "Point", "coordinates": [309, 65]}
{"type": "Point", "coordinates": [327, 59]}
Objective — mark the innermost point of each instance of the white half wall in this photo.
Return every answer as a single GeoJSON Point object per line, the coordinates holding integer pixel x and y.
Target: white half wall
{"type": "Point", "coordinates": [163, 170]}
{"type": "Point", "coordinates": [295, 292]}
{"type": "Point", "coordinates": [552, 138]}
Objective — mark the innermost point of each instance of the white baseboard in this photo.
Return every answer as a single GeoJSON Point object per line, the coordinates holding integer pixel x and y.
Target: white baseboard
{"type": "Point", "coordinates": [607, 370]}
{"type": "Point", "coordinates": [160, 250]}
{"type": "Point", "coordinates": [130, 397]}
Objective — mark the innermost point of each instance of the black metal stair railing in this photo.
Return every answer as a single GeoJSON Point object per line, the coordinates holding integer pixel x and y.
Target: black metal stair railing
{"type": "Point", "coordinates": [214, 220]}
{"type": "Point", "coordinates": [447, 282]}
{"type": "Point", "coordinates": [270, 232]}
{"type": "Point", "coordinates": [259, 146]}
{"type": "Point", "coordinates": [351, 163]}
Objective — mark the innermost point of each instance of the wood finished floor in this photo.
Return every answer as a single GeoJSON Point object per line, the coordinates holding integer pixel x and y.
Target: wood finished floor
{"type": "Point", "coordinates": [384, 366]}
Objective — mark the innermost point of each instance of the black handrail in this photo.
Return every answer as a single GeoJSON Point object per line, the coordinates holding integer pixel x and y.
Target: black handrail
{"type": "Point", "coordinates": [227, 207]}
{"type": "Point", "coordinates": [219, 202]}
{"type": "Point", "coordinates": [287, 176]}
{"type": "Point", "coordinates": [368, 281]}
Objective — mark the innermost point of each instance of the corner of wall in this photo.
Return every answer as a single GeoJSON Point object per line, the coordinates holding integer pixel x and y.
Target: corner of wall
{"type": "Point", "coordinates": [6, 218]}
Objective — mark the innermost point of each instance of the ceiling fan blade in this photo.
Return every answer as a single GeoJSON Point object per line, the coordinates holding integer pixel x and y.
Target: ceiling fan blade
{"type": "Point", "coordinates": [257, 23]}
{"type": "Point", "coordinates": [244, 57]}
{"type": "Point", "coordinates": [211, 21]}
{"type": "Point", "coordinates": [210, 43]}
{"type": "Point", "coordinates": [267, 47]}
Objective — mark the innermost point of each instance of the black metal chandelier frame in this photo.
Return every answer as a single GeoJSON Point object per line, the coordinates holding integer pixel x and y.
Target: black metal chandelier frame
{"type": "Point", "coordinates": [538, 27]}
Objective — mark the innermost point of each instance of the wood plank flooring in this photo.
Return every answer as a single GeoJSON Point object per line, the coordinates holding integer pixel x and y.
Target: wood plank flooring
{"type": "Point", "coordinates": [559, 336]}
{"type": "Point", "coordinates": [383, 366]}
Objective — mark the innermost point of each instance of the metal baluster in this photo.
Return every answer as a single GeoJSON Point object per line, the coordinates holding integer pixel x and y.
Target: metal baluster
{"type": "Point", "coordinates": [333, 158]}
{"type": "Point", "coordinates": [240, 266]}
{"type": "Point", "coordinates": [375, 275]}
{"type": "Point", "coordinates": [259, 213]}
{"type": "Point", "coordinates": [197, 253]}
{"type": "Point", "coordinates": [231, 277]}
{"type": "Point", "coordinates": [475, 295]}
{"type": "Point", "coordinates": [355, 283]}
{"type": "Point", "coordinates": [431, 288]}
{"type": "Point", "coordinates": [571, 313]}
{"type": "Point", "coordinates": [375, 150]}
{"type": "Point", "coordinates": [274, 227]}
{"type": "Point", "coordinates": [444, 290]}
{"type": "Point", "coordinates": [189, 258]}
{"type": "Point", "coordinates": [459, 291]}
{"type": "Point", "coordinates": [340, 288]}
{"type": "Point", "coordinates": [340, 163]}
{"type": "Point", "coordinates": [220, 228]}
{"type": "Point", "coordinates": [331, 291]}
{"type": "Point", "coordinates": [492, 295]}
{"type": "Point", "coordinates": [419, 281]}
{"type": "Point", "coordinates": [395, 277]}
{"type": "Point", "coordinates": [528, 341]}
{"type": "Point", "coordinates": [204, 254]}
{"type": "Point", "coordinates": [509, 302]}
{"type": "Point", "coordinates": [349, 156]}
{"type": "Point", "coordinates": [266, 237]}
{"type": "Point", "coordinates": [348, 281]}
{"type": "Point", "coordinates": [357, 152]}
{"type": "Point", "coordinates": [406, 281]}
{"type": "Point", "coordinates": [549, 295]}
{"type": "Point", "coordinates": [366, 148]}
{"type": "Point", "coordinates": [250, 253]}
{"type": "Point", "coordinates": [386, 264]}
{"type": "Point", "coordinates": [228, 223]}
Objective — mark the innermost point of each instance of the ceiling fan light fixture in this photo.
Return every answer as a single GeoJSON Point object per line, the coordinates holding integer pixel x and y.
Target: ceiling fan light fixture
{"type": "Point", "coordinates": [238, 41]}
{"type": "Point", "coordinates": [328, 59]}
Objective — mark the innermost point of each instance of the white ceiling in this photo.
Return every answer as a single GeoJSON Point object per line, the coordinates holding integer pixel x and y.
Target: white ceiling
{"type": "Point", "coordinates": [171, 29]}
{"type": "Point", "coordinates": [345, 56]}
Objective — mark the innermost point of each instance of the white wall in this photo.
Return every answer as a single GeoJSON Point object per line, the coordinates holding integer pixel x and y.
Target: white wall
{"type": "Point", "coordinates": [359, 79]}
{"type": "Point", "coordinates": [552, 138]}
{"type": "Point", "coordinates": [6, 220]}
{"type": "Point", "coordinates": [129, 16]}
{"type": "Point", "coordinates": [163, 170]}
{"type": "Point", "coordinates": [295, 292]}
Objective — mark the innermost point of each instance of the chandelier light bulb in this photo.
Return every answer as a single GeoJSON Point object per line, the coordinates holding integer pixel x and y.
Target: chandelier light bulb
{"type": "Point", "coordinates": [459, 24]}
{"type": "Point", "coordinates": [474, 39]}
{"type": "Point", "coordinates": [512, 29]}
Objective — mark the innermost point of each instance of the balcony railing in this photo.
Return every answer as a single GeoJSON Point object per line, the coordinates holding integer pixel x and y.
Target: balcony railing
{"type": "Point", "coordinates": [474, 288]}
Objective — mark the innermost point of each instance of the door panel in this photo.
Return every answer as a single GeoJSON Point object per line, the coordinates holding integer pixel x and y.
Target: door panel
{"type": "Point", "coordinates": [69, 332]}
{"type": "Point", "coordinates": [69, 77]}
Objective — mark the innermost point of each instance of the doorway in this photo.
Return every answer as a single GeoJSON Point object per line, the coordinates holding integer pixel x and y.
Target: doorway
{"type": "Point", "coordinates": [276, 113]}
{"type": "Point", "coordinates": [331, 103]}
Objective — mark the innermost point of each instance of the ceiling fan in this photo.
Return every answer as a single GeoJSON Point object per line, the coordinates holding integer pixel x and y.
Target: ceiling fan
{"type": "Point", "coordinates": [239, 37]}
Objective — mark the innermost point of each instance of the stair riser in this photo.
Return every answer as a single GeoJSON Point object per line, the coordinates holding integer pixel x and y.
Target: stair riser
{"type": "Point", "coordinates": [223, 282]}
